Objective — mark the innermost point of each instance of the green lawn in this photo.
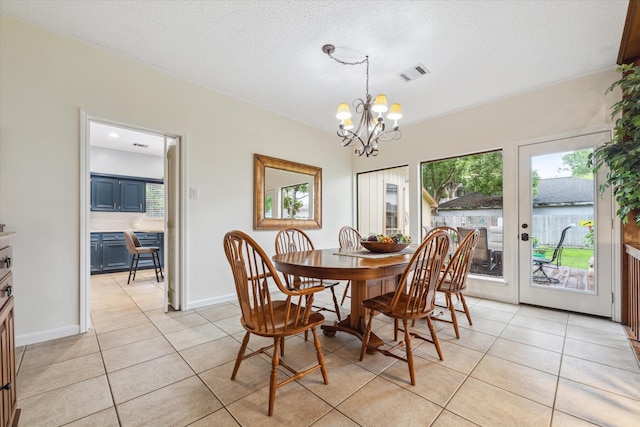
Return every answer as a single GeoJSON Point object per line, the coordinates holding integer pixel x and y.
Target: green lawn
{"type": "Point", "coordinates": [573, 257]}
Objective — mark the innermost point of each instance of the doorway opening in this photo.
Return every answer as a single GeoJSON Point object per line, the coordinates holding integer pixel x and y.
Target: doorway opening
{"type": "Point", "coordinates": [130, 181]}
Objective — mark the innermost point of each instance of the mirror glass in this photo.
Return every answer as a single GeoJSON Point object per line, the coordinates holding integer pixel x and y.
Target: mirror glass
{"type": "Point", "coordinates": [287, 194]}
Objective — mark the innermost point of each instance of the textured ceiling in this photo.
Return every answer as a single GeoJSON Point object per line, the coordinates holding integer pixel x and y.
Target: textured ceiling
{"type": "Point", "coordinates": [268, 53]}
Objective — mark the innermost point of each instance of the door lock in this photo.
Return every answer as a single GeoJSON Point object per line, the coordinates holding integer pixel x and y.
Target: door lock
{"type": "Point", "coordinates": [524, 237]}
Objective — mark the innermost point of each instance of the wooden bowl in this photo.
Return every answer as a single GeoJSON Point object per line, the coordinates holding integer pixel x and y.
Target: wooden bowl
{"type": "Point", "coordinates": [383, 247]}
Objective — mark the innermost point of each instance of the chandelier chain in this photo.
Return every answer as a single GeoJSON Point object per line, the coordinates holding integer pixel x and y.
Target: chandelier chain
{"type": "Point", "coordinates": [364, 61]}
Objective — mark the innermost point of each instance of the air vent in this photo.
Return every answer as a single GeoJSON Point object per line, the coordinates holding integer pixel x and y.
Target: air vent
{"type": "Point", "coordinates": [135, 144]}
{"type": "Point", "coordinates": [414, 72]}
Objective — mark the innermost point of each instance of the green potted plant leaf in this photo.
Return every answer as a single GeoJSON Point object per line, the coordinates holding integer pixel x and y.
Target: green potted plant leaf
{"type": "Point", "coordinates": [621, 155]}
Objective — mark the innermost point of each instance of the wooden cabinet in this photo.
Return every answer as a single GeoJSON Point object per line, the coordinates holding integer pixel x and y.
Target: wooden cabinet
{"type": "Point", "coordinates": [9, 412]}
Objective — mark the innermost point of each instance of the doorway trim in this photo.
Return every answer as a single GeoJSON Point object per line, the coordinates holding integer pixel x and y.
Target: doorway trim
{"type": "Point", "coordinates": [85, 208]}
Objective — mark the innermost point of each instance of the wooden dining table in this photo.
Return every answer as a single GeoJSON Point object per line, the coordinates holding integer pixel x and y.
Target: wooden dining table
{"type": "Point", "coordinates": [370, 274]}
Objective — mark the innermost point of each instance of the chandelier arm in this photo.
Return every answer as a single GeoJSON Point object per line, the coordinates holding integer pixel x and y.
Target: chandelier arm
{"type": "Point", "coordinates": [390, 135]}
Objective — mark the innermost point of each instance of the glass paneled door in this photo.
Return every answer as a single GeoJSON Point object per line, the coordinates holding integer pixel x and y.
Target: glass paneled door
{"type": "Point", "coordinates": [565, 228]}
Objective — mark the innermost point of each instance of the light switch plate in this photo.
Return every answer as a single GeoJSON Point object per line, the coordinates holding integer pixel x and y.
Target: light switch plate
{"type": "Point", "coordinates": [194, 193]}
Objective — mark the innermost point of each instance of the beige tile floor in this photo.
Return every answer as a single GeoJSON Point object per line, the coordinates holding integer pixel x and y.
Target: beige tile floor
{"type": "Point", "coordinates": [138, 366]}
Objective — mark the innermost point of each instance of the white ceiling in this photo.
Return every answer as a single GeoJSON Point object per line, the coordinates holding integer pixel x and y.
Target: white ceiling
{"type": "Point", "coordinates": [118, 138]}
{"type": "Point", "coordinates": [268, 53]}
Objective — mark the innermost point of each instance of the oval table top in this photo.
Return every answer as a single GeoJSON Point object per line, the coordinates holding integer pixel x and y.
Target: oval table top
{"type": "Point", "coordinates": [328, 264]}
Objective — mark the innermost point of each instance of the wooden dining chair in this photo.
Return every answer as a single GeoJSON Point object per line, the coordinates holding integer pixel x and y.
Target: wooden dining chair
{"type": "Point", "coordinates": [295, 240]}
{"type": "Point", "coordinates": [454, 278]}
{"type": "Point", "coordinates": [453, 233]}
{"type": "Point", "coordinates": [414, 298]}
{"type": "Point", "coordinates": [349, 240]}
{"type": "Point", "coordinates": [254, 277]}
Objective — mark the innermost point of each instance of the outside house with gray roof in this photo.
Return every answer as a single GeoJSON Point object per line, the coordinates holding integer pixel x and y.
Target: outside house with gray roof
{"type": "Point", "coordinates": [559, 202]}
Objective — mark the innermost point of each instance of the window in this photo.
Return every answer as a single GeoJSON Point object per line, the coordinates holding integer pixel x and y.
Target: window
{"type": "Point", "coordinates": [466, 192]}
{"type": "Point", "coordinates": [155, 200]}
{"type": "Point", "coordinates": [383, 202]}
{"type": "Point", "coordinates": [391, 210]}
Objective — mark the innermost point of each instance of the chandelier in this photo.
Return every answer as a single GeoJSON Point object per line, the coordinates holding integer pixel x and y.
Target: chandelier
{"type": "Point", "coordinates": [371, 125]}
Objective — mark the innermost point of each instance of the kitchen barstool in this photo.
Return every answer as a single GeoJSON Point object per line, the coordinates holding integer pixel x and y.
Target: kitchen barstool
{"type": "Point", "coordinates": [136, 249]}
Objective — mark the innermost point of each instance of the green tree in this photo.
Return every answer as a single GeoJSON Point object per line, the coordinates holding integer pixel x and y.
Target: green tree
{"type": "Point", "coordinates": [440, 177]}
{"type": "Point", "coordinates": [477, 172]}
{"type": "Point", "coordinates": [577, 162]}
{"type": "Point", "coordinates": [535, 179]}
{"type": "Point", "coordinates": [292, 198]}
{"type": "Point", "coordinates": [482, 173]}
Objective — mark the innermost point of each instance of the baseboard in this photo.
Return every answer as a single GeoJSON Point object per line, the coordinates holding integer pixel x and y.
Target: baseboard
{"type": "Point", "coordinates": [51, 334]}
{"type": "Point", "coordinates": [210, 301]}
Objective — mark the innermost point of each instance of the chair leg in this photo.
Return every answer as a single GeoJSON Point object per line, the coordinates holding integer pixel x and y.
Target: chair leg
{"type": "Point", "coordinates": [367, 335]}
{"type": "Point", "coordinates": [346, 289]}
{"type": "Point", "coordinates": [243, 348]}
{"type": "Point", "coordinates": [434, 337]}
{"type": "Point", "coordinates": [466, 309]}
{"type": "Point", "coordinates": [156, 264]}
{"type": "Point", "coordinates": [407, 343]}
{"type": "Point", "coordinates": [159, 265]}
{"type": "Point", "coordinates": [452, 309]}
{"type": "Point", "coordinates": [395, 329]}
{"type": "Point", "coordinates": [323, 367]}
{"type": "Point", "coordinates": [134, 267]}
{"type": "Point", "coordinates": [273, 383]}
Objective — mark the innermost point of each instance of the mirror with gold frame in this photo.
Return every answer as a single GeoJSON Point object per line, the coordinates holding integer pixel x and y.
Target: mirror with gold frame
{"type": "Point", "coordinates": [286, 194]}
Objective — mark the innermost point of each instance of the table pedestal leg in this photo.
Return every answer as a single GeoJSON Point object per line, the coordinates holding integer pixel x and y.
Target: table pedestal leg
{"type": "Point", "coordinates": [354, 323]}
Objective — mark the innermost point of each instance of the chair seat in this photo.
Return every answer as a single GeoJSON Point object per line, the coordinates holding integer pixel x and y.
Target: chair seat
{"type": "Point", "coordinates": [382, 303]}
{"type": "Point", "coordinates": [280, 324]}
{"type": "Point", "coordinates": [447, 286]}
{"type": "Point", "coordinates": [147, 249]}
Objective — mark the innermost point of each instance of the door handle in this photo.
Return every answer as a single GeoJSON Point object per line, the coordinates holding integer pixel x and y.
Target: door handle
{"type": "Point", "coordinates": [524, 237]}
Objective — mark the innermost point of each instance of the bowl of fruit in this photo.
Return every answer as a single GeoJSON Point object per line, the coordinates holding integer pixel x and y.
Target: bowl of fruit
{"type": "Point", "coordinates": [379, 243]}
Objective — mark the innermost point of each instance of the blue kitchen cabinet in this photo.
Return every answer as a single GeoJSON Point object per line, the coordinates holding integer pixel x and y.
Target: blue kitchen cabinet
{"type": "Point", "coordinates": [96, 253]}
{"type": "Point", "coordinates": [133, 196]}
{"type": "Point", "coordinates": [109, 251]}
{"type": "Point", "coordinates": [115, 256]}
{"type": "Point", "coordinates": [105, 194]}
{"type": "Point", "coordinates": [151, 239]}
{"type": "Point", "coordinates": [118, 194]}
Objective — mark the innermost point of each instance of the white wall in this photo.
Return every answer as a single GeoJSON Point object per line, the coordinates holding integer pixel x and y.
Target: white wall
{"type": "Point", "coordinates": [563, 108]}
{"type": "Point", "coordinates": [46, 80]}
{"type": "Point", "coordinates": [118, 162]}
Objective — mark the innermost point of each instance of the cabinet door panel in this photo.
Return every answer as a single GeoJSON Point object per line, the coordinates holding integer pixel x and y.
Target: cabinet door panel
{"type": "Point", "coordinates": [96, 253]}
{"type": "Point", "coordinates": [132, 196]}
{"type": "Point", "coordinates": [104, 194]}
{"type": "Point", "coordinates": [115, 255]}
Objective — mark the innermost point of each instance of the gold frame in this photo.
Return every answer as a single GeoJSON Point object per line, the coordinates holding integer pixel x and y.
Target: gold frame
{"type": "Point", "coordinates": [259, 221]}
